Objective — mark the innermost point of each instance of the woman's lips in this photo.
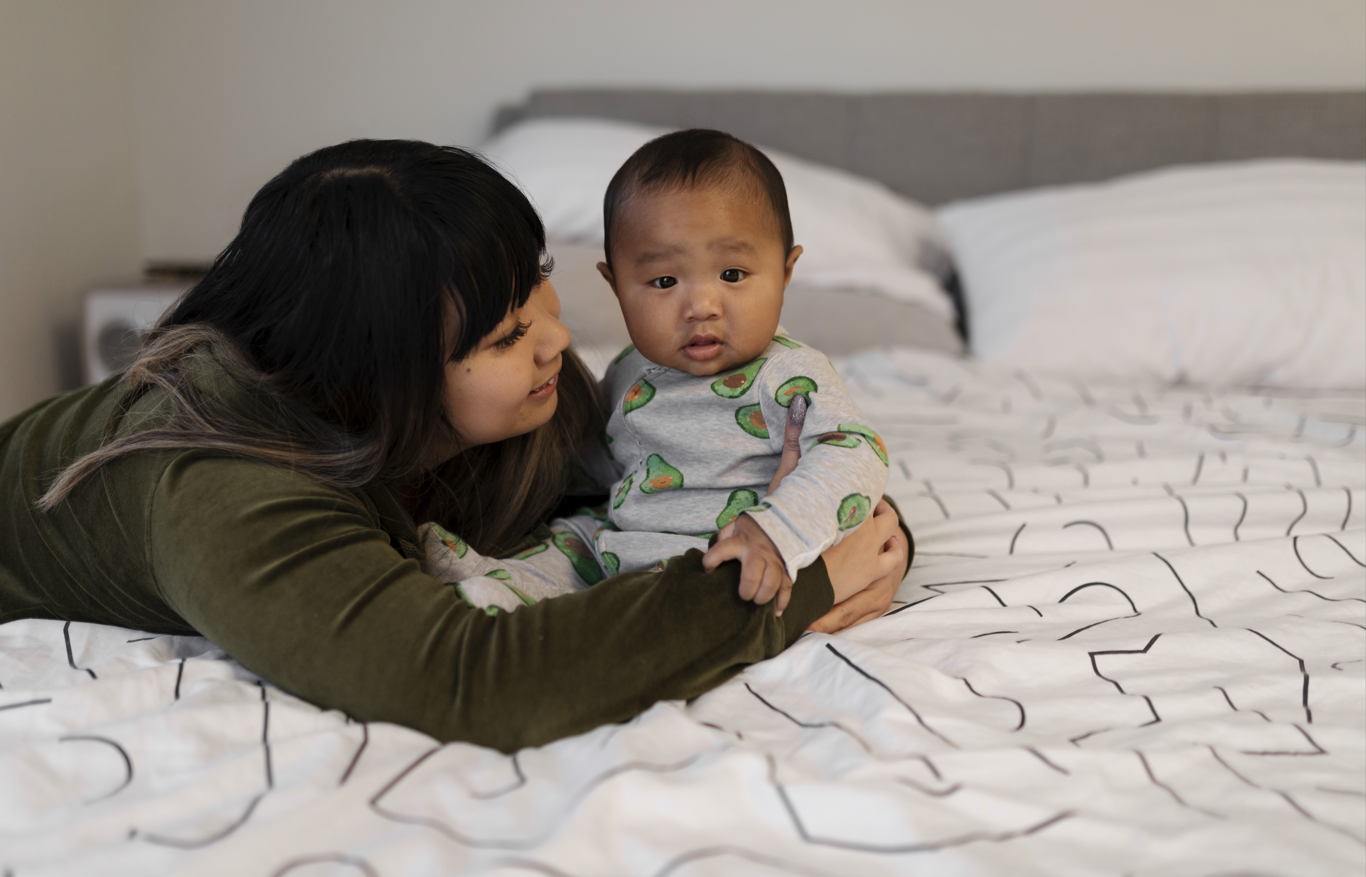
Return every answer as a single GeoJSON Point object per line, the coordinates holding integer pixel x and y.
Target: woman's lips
{"type": "Point", "coordinates": [702, 348]}
{"type": "Point", "coordinates": [545, 390]}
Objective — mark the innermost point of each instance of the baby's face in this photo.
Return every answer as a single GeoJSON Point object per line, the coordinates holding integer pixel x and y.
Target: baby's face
{"type": "Point", "coordinates": [700, 273]}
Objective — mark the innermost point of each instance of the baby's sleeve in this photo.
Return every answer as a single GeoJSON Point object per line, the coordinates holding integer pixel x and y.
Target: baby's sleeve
{"type": "Point", "coordinates": [596, 456]}
{"type": "Point", "coordinates": [558, 565]}
{"type": "Point", "coordinates": [843, 468]}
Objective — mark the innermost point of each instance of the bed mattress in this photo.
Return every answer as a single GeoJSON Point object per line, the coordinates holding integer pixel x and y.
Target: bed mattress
{"type": "Point", "coordinates": [1132, 642]}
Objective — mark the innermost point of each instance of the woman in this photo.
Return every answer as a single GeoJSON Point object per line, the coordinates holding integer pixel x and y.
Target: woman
{"type": "Point", "coordinates": [378, 345]}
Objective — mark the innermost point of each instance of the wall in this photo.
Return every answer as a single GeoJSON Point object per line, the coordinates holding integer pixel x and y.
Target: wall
{"type": "Point", "coordinates": [228, 93]}
{"type": "Point", "coordinates": [138, 129]}
{"type": "Point", "coordinates": [68, 185]}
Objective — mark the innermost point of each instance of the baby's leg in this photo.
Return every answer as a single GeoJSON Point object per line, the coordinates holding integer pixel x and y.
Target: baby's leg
{"type": "Point", "coordinates": [551, 568]}
{"type": "Point", "coordinates": [632, 550]}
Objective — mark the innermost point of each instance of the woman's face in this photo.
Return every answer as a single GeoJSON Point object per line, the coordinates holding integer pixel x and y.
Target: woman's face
{"type": "Point", "coordinates": [508, 385]}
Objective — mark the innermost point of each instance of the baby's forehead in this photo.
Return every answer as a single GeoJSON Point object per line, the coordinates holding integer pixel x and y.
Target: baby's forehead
{"type": "Point", "coordinates": [736, 196]}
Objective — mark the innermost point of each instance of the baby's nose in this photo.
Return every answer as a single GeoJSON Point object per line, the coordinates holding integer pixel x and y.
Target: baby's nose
{"type": "Point", "coordinates": [704, 303]}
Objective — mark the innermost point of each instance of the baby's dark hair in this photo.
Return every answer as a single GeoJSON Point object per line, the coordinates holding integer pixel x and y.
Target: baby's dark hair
{"type": "Point", "coordinates": [688, 158]}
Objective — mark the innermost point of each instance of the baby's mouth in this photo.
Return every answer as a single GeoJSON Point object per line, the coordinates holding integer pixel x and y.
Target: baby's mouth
{"type": "Point", "coordinates": [701, 348]}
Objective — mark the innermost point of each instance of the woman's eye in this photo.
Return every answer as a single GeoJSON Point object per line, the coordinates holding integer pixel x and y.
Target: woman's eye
{"type": "Point", "coordinates": [513, 337]}
{"type": "Point", "coordinates": [664, 282]}
{"type": "Point", "coordinates": [732, 275]}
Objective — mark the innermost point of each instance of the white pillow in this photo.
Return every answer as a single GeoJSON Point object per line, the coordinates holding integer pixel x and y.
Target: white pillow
{"type": "Point", "coordinates": [1241, 273]}
{"type": "Point", "coordinates": [854, 232]}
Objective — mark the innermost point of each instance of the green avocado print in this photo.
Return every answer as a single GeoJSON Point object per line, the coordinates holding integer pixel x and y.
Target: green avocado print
{"type": "Point", "coordinates": [800, 385]}
{"type": "Point", "coordinates": [612, 562]}
{"type": "Point", "coordinates": [838, 439]}
{"type": "Point", "coordinates": [638, 396]}
{"type": "Point", "coordinates": [786, 342]}
{"type": "Point", "coordinates": [532, 551]}
{"type": "Point", "coordinates": [526, 601]}
{"type": "Point", "coordinates": [660, 565]}
{"type": "Point", "coordinates": [737, 383]}
{"type": "Point", "coordinates": [659, 475]}
{"type": "Point", "coordinates": [738, 501]}
{"type": "Point", "coordinates": [607, 444]}
{"type": "Point", "coordinates": [488, 610]}
{"type": "Point", "coordinates": [874, 440]}
{"type": "Point", "coordinates": [597, 512]}
{"type": "Point", "coordinates": [751, 420]}
{"type": "Point", "coordinates": [623, 490]}
{"type": "Point", "coordinates": [580, 557]}
{"type": "Point", "coordinates": [452, 541]}
{"type": "Point", "coordinates": [853, 509]}
{"type": "Point", "coordinates": [501, 575]}
{"type": "Point", "coordinates": [625, 353]}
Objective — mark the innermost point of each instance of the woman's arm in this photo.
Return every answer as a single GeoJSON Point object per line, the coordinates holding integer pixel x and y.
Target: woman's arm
{"type": "Point", "coordinates": [303, 585]}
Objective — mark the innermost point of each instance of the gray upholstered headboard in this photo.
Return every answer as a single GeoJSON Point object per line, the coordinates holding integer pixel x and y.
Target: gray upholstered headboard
{"type": "Point", "coordinates": [936, 147]}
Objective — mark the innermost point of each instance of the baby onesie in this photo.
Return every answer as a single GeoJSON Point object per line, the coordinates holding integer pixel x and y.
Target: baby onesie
{"type": "Point", "coordinates": [687, 454]}
{"type": "Point", "coordinates": [684, 456]}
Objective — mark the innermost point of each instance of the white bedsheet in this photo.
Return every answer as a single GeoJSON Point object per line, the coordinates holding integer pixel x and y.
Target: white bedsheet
{"type": "Point", "coordinates": [1132, 643]}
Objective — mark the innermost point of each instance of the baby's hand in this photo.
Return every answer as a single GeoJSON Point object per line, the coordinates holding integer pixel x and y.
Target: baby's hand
{"type": "Point", "coordinates": [762, 571]}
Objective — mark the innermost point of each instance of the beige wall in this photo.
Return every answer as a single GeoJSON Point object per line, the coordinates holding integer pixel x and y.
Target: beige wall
{"type": "Point", "coordinates": [229, 92]}
{"type": "Point", "coordinates": [68, 191]}
{"type": "Point", "coordinates": [138, 129]}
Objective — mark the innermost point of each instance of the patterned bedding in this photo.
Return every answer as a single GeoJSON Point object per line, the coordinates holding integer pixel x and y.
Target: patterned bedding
{"type": "Point", "coordinates": [1132, 643]}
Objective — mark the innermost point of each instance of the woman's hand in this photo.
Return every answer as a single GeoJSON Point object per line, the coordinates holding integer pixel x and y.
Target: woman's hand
{"type": "Point", "coordinates": [865, 568]}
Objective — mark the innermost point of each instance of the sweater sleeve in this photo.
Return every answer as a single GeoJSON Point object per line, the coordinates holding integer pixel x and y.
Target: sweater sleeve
{"type": "Point", "coordinates": [842, 472]}
{"type": "Point", "coordinates": [302, 585]}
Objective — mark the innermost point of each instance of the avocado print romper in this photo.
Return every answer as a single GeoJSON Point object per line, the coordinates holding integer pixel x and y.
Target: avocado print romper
{"type": "Point", "coordinates": [685, 455]}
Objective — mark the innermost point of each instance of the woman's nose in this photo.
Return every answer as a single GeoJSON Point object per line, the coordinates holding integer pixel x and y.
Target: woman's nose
{"type": "Point", "coordinates": [553, 340]}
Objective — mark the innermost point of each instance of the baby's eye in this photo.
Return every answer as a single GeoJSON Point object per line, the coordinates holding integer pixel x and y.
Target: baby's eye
{"type": "Point", "coordinates": [732, 275]}
{"type": "Point", "coordinates": [664, 282]}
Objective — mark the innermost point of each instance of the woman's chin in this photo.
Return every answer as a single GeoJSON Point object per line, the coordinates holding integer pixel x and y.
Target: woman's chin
{"type": "Point", "coordinates": [541, 410]}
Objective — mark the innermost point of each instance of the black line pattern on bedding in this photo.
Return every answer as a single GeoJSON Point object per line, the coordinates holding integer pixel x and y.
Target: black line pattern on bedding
{"type": "Point", "coordinates": [575, 797]}
{"type": "Point", "coordinates": [1108, 544]}
{"type": "Point", "coordinates": [1194, 604]}
{"type": "Point", "coordinates": [70, 658]}
{"type": "Point", "coordinates": [894, 848]}
{"type": "Point", "coordinates": [799, 723]}
{"type": "Point", "coordinates": [224, 832]}
{"type": "Point", "coordinates": [1304, 697]}
{"type": "Point", "coordinates": [885, 687]}
{"type": "Point", "coordinates": [1037, 649]}
{"type": "Point", "coordinates": [123, 753]}
{"type": "Point", "coordinates": [359, 865]}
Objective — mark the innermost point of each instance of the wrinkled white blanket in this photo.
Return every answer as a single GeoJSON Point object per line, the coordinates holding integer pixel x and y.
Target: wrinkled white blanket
{"type": "Point", "coordinates": [1132, 643]}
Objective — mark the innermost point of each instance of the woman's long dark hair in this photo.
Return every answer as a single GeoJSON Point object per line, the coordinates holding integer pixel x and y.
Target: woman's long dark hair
{"type": "Point", "coordinates": [330, 306]}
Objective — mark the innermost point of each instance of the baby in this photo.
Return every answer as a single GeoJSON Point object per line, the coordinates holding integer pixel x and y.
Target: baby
{"type": "Point", "coordinates": [699, 250]}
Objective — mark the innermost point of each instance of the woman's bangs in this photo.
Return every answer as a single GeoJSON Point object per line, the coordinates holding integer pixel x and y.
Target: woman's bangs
{"type": "Point", "coordinates": [495, 265]}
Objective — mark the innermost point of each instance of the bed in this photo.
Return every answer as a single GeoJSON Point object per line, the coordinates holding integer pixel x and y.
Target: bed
{"type": "Point", "coordinates": [1133, 640]}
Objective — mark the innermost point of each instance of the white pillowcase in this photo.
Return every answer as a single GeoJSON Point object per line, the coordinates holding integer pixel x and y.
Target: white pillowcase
{"type": "Point", "coordinates": [854, 232]}
{"type": "Point", "coordinates": [1247, 273]}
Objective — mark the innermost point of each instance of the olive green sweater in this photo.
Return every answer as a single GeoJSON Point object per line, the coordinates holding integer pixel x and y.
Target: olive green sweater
{"type": "Point", "coordinates": [320, 591]}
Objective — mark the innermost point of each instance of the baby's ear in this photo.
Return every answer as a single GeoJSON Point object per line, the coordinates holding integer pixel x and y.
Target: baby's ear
{"type": "Point", "coordinates": [606, 271]}
{"type": "Point", "coordinates": [792, 256]}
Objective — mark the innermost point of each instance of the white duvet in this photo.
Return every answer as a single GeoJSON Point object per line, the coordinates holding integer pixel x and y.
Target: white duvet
{"type": "Point", "coordinates": [1132, 643]}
